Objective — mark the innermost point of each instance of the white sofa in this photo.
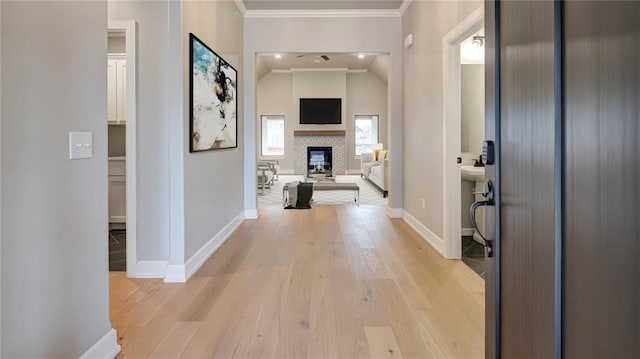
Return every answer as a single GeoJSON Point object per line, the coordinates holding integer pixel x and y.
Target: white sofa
{"type": "Point", "coordinates": [377, 172]}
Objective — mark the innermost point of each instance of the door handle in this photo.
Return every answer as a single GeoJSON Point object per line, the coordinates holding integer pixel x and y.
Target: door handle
{"type": "Point", "coordinates": [488, 201]}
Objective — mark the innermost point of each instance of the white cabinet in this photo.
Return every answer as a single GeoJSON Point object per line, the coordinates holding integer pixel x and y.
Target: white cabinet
{"type": "Point", "coordinates": [117, 89]}
{"type": "Point", "coordinates": [117, 191]}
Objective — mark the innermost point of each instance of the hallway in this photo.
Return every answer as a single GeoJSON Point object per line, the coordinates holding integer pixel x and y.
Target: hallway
{"type": "Point", "coordinates": [329, 282]}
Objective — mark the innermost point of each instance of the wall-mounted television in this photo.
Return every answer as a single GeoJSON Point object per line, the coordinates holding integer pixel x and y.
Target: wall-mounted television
{"type": "Point", "coordinates": [320, 111]}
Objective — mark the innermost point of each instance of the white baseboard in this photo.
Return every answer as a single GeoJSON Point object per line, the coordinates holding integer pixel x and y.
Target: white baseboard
{"type": "Point", "coordinates": [467, 231]}
{"type": "Point", "coordinates": [251, 213]}
{"type": "Point", "coordinates": [436, 242]}
{"type": "Point", "coordinates": [105, 348]}
{"type": "Point", "coordinates": [394, 212]}
{"type": "Point", "coordinates": [175, 274]}
{"type": "Point", "coordinates": [285, 172]}
{"type": "Point", "coordinates": [198, 259]}
{"type": "Point", "coordinates": [353, 172]}
{"type": "Point", "coordinates": [151, 269]}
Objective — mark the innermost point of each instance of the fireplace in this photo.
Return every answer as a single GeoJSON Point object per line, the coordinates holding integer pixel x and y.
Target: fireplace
{"type": "Point", "coordinates": [301, 155]}
{"type": "Point", "coordinates": [319, 160]}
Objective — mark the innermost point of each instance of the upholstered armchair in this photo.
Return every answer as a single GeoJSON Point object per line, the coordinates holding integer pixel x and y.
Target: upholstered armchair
{"type": "Point", "coordinates": [266, 173]}
{"type": "Point", "coordinates": [274, 166]}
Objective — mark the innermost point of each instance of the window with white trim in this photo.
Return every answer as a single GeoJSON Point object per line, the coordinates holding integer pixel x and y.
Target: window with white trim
{"type": "Point", "coordinates": [366, 132]}
{"type": "Point", "coordinates": [272, 136]}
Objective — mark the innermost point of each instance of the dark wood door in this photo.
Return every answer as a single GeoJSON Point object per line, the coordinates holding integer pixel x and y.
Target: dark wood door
{"type": "Point", "coordinates": [602, 182]}
{"type": "Point", "coordinates": [527, 178]}
{"type": "Point", "coordinates": [563, 106]}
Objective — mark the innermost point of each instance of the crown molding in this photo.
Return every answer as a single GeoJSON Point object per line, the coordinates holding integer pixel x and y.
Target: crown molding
{"type": "Point", "coordinates": [241, 7]}
{"type": "Point", "coordinates": [325, 69]}
{"type": "Point", "coordinates": [404, 6]}
{"type": "Point", "coordinates": [320, 13]}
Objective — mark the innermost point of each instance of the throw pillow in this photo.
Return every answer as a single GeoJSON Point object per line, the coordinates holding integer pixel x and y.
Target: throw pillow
{"type": "Point", "coordinates": [367, 156]}
{"type": "Point", "coordinates": [375, 155]}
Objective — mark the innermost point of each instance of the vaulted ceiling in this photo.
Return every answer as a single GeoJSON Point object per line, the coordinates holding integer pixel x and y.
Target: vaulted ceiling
{"type": "Point", "coordinates": [376, 63]}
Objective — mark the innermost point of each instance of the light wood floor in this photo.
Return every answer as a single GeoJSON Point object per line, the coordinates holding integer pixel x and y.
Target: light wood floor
{"type": "Point", "coordinates": [330, 282]}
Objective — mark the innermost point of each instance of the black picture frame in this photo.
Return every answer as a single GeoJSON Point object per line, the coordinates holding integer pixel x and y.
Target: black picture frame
{"type": "Point", "coordinates": [213, 99]}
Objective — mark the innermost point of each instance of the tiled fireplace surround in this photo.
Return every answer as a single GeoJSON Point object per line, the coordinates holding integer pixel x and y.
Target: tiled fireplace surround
{"type": "Point", "coordinates": [337, 143]}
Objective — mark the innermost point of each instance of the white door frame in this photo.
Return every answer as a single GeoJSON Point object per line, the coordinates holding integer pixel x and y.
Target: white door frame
{"type": "Point", "coordinates": [452, 129]}
{"type": "Point", "coordinates": [129, 29]}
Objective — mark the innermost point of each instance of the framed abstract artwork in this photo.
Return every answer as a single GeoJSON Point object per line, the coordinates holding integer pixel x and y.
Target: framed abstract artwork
{"type": "Point", "coordinates": [213, 99]}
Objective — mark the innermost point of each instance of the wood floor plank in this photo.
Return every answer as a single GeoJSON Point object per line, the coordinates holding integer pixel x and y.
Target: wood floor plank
{"type": "Point", "coordinates": [330, 282]}
{"type": "Point", "coordinates": [323, 341]}
{"type": "Point", "coordinates": [403, 322]}
{"type": "Point", "coordinates": [295, 310]}
{"type": "Point", "coordinates": [382, 343]}
{"type": "Point", "coordinates": [174, 342]}
{"type": "Point", "coordinates": [352, 342]}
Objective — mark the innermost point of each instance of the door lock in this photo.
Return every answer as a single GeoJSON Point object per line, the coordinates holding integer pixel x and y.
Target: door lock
{"type": "Point", "coordinates": [488, 201]}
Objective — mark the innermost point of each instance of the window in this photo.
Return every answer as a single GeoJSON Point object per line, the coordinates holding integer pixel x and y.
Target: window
{"type": "Point", "coordinates": [272, 136]}
{"type": "Point", "coordinates": [366, 132]}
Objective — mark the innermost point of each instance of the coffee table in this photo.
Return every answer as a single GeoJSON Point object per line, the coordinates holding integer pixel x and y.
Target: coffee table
{"type": "Point", "coordinates": [318, 178]}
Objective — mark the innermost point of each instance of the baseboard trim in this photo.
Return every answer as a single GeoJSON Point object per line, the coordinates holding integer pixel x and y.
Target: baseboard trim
{"type": "Point", "coordinates": [467, 231]}
{"type": "Point", "coordinates": [151, 269]}
{"type": "Point", "coordinates": [175, 274]}
{"type": "Point", "coordinates": [436, 242]}
{"type": "Point", "coordinates": [285, 172]}
{"type": "Point", "coordinates": [394, 212]}
{"type": "Point", "coordinates": [251, 213]}
{"type": "Point", "coordinates": [198, 259]}
{"type": "Point", "coordinates": [106, 347]}
{"type": "Point", "coordinates": [353, 172]}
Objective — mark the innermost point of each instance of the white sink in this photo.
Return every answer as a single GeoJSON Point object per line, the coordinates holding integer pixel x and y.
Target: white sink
{"type": "Point", "coordinates": [474, 174]}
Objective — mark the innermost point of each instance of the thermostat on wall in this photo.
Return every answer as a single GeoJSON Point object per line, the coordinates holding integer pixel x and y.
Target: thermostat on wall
{"type": "Point", "coordinates": [408, 41]}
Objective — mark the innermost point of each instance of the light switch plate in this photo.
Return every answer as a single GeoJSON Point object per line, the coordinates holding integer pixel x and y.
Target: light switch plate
{"type": "Point", "coordinates": [80, 145]}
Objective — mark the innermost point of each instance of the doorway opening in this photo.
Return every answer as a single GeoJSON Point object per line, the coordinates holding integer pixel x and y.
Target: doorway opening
{"type": "Point", "coordinates": [472, 137]}
{"type": "Point", "coordinates": [334, 103]}
{"type": "Point", "coordinates": [461, 37]}
{"type": "Point", "coordinates": [121, 139]}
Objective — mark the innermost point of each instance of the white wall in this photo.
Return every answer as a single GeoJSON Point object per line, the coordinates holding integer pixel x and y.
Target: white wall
{"type": "Point", "coordinates": [54, 210]}
{"type": "Point", "coordinates": [429, 21]}
{"type": "Point", "coordinates": [380, 67]}
{"type": "Point", "coordinates": [275, 97]}
{"type": "Point", "coordinates": [153, 123]}
{"type": "Point", "coordinates": [366, 95]}
{"type": "Point", "coordinates": [472, 107]}
{"type": "Point", "coordinates": [0, 180]}
{"type": "Point", "coordinates": [213, 180]}
{"type": "Point", "coordinates": [325, 34]}
{"type": "Point", "coordinates": [319, 84]}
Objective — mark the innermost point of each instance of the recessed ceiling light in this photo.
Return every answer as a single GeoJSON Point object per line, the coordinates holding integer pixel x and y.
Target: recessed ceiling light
{"type": "Point", "coordinates": [278, 56]}
{"type": "Point", "coordinates": [361, 56]}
